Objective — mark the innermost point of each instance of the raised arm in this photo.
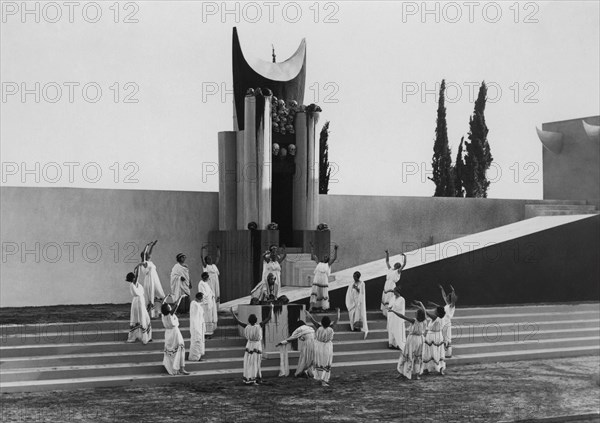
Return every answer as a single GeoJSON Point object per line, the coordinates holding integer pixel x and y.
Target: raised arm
{"type": "Point", "coordinates": [317, 324]}
{"type": "Point", "coordinates": [264, 322]}
{"type": "Point", "coordinates": [403, 261]}
{"type": "Point", "coordinates": [202, 250]}
{"type": "Point", "coordinates": [402, 316]}
{"type": "Point", "coordinates": [177, 306]}
{"type": "Point", "coordinates": [432, 304]}
{"type": "Point", "coordinates": [443, 294]}
{"type": "Point", "coordinates": [151, 247]}
{"type": "Point", "coordinates": [218, 256]}
{"type": "Point", "coordinates": [387, 259]}
{"type": "Point", "coordinates": [237, 320]}
{"type": "Point", "coordinates": [334, 258]}
{"type": "Point", "coordinates": [136, 272]}
{"type": "Point", "coordinates": [431, 315]}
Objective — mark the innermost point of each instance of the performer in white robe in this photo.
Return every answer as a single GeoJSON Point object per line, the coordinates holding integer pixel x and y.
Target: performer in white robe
{"type": "Point", "coordinates": [181, 283]}
{"type": "Point", "coordinates": [209, 304]}
{"type": "Point", "coordinates": [197, 329]}
{"type": "Point", "coordinates": [357, 305]}
{"type": "Point", "coordinates": [306, 348]}
{"type": "Point", "coordinates": [324, 347]}
{"type": "Point", "coordinates": [410, 364]}
{"type": "Point", "coordinates": [267, 290]}
{"type": "Point", "coordinates": [140, 327]}
{"type": "Point", "coordinates": [152, 287]}
{"type": "Point", "coordinates": [213, 272]}
{"type": "Point", "coordinates": [391, 281]}
{"type": "Point", "coordinates": [319, 295]}
{"type": "Point", "coordinates": [174, 352]}
{"type": "Point", "coordinates": [395, 325]}
{"type": "Point", "coordinates": [272, 264]}
{"type": "Point", "coordinates": [253, 352]}
{"type": "Point", "coordinates": [449, 308]}
{"type": "Point", "coordinates": [434, 351]}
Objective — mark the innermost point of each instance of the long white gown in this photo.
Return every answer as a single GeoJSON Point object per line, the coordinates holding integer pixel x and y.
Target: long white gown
{"type": "Point", "coordinates": [177, 285]}
{"type": "Point", "coordinates": [447, 329]}
{"type": "Point", "coordinates": [357, 307]}
{"type": "Point", "coordinates": [411, 360]}
{"type": "Point", "coordinates": [197, 330]}
{"type": "Point", "coordinates": [253, 353]}
{"type": "Point", "coordinates": [272, 267]}
{"type": "Point", "coordinates": [210, 307]}
{"type": "Point", "coordinates": [140, 327]}
{"type": "Point", "coordinates": [306, 349]}
{"type": "Point", "coordinates": [213, 280]}
{"type": "Point", "coordinates": [323, 353]}
{"type": "Point", "coordinates": [388, 290]}
{"type": "Point", "coordinates": [152, 287]}
{"type": "Point", "coordinates": [395, 324]}
{"type": "Point", "coordinates": [319, 295]}
{"type": "Point", "coordinates": [434, 351]}
{"type": "Point", "coordinates": [174, 356]}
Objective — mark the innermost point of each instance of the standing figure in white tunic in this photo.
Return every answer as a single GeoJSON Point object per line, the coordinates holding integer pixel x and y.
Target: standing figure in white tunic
{"type": "Point", "coordinates": [152, 288]}
{"type": "Point", "coordinates": [324, 347]}
{"type": "Point", "coordinates": [209, 304]}
{"type": "Point", "coordinates": [395, 325]}
{"type": "Point", "coordinates": [449, 308]}
{"type": "Point", "coordinates": [319, 295]}
{"type": "Point", "coordinates": [410, 364]}
{"type": "Point", "coordinates": [174, 354]}
{"type": "Point", "coordinates": [391, 280]}
{"type": "Point", "coordinates": [213, 272]}
{"type": "Point", "coordinates": [197, 329]}
{"type": "Point", "coordinates": [357, 305]}
{"type": "Point", "coordinates": [306, 348]}
{"type": "Point", "coordinates": [253, 352]}
{"type": "Point", "coordinates": [272, 264]}
{"type": "Point", "coordinates": [140, 327]}
{"type": "Point", "coordinates": [434, 351]}
{"type": "Point", "coordinates": [181, 284]}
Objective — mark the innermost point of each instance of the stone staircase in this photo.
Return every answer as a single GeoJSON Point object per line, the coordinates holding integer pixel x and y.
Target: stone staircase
{"type": "Point", "coordinates": [559, 209]}
{"type": "Point", "coordinates": [91, 354]}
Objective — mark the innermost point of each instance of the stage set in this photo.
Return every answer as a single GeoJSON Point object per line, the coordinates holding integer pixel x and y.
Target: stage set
{"type": "Point", "coordinates": [527, 287]}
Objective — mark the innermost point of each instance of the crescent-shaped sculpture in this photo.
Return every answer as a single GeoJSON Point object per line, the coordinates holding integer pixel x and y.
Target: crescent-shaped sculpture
{"type": "Point", "coordinates": [553, 141]}
{"type": "Point", "coordinates": [285, 79]}
{"type": "Point", "coordinates": [592, 131]}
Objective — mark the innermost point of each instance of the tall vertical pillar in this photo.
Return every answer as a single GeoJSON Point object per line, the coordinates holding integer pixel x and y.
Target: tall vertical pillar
{"type": "Point", "coordinates": [312, 197]}
{"type": "Point", "coordinates": [300, 178]}
{"type": "Point", "coordinates": [264, 165]}
{"type": "Point", "coordinates": [227, 180]}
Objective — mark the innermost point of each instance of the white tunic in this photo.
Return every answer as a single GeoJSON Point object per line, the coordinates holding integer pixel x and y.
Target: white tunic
{"type": "Point", "coordinates": [197, 330]}
{"type": "Point", "coordinates": [357, 306]}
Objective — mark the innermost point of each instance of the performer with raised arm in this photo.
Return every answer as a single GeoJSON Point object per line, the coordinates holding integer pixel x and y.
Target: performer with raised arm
{"type": "Point", "coordinates": [181, 283]}
{"type": "Point", "coordinates": [357, 305]}
{"type": "Point", "coordinates": [272, 264]}
{"type": "Point", "coordinates": [213, 272]}
{"type": "Point", "coordinates": [174, 357]}
{"type": "Point", "coordinates": [391, 280]}
{"type": "Point", "coordinates": [433, 351]}
{"type": "Point", "coordinates": [395, 325]}
{"type": "Point", "coordinates": [306, 347]}
{"type": "Point", "coordinates": [253, 352]}
{"type": "Point", "coordinates": [153, 290]}
{"type": "Point", "coordinates": [410, 364]}
{"type": "Point", "coordinates": [209, 304]}
{"type": "Point", "coordinates": [449, 308]}
{"type": "Point", "coordinates": [266, 291]}
{"type": "Point", "coordinates": [140, 327]}
{"type": "Point", "coordinates": [197, 329]}
{"type": "Point", "coordinates": [324, 347]}
{"type": "Point", "coordinates": [319, 296]}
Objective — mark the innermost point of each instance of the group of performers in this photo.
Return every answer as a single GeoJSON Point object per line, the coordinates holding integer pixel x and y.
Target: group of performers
{"type": "Point", "coordinates": [203, 310]}
{"type": "Point", "coordinates": [423, 350]}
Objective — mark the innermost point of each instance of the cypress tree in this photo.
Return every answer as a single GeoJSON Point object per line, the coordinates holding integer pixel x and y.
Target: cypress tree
{"type": "Point", "coordinates": [478, 158]}
{"type": "Point", "coordinates": [324, 168]}
{"type": "Point", "coordinates": [442, 160]}
{"type": "Point", "coordinates": [458, 170]}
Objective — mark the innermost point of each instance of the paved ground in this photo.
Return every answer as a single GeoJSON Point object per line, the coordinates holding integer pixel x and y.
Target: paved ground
{"type": "Point", "coordinates": [473, 393]}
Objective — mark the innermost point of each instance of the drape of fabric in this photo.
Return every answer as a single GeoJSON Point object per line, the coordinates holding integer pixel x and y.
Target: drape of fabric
{"type": "Point", "coordinates": [197, 331]}
{"type": "Point", "coordinates": [357, 307]}
{"type": "Point", "coordinates": [263, 291]}
{"type": "Point", "coordinates": [140, 327]}
{"type": "Point", "coordinates": [388, 290]}
{"type": "Point", "coordinates": [179, 287]}
{"type": "Point", "coordinates": [284, 363]}
{"type": "Point", "coordinates": [323, 353]}
{"type": "Point", "coordinates": [411, 358]}
{"type": "Point", "coordinates": [395, 324]}
{"type": "Point", "coordinates": [272, 267]}
{"type": "Point", "coordinates": [174, 352]}
{"type": "Point", "coordinates": [319, 296]}
{"type": "Point", "coordinates": [306, 349]}
{"type": "Point", "coordinates": [253, 353]}
{"type": "Point", "coordinates": [434, 351]}
{"type": "Point", "coordinates": [210, 307]}
{"type": "Point", "coordinates": [213, 280]}
{"type": "Point", "coordinates": [152, 288]}
{"type": "Point", "coordinates": [447, 329]}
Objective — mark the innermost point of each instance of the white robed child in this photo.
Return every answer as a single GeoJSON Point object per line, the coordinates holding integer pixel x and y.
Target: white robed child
{"type": "Point", "coordinates": [272, 264]}
{"type": "Point", "coordinates": [152, 287]}
{"type": "Point", "coordinates": [213, 272]}
{"type": "Point", "coordinates": [253, 352]}
{"type": "Point", "coordinates": [449, 308]}
{"type": "Point", "coordinates": [181, 283]}
{"type": "Point", "coordinates": [140, 327]}
{"type": "Point", "coordinates": [319, 295]}
{"type": "Point", "coordinates": [391, 280]}
{"type": "Point", "coordinates": [395, 325]}
{"type": "Point", "coordinates": [410, 363]}
{"type": "Point", "coordinates": [306, 348]}
{"type": "Point", "coordinates": [197, 329]}
{"type": "Point", "coordinates": [434, 351]}
{"type": "Point", "coordinates": [209, 304]}
{"type": "Point", "coordinates": [174, 353]}
{"type": "Point", "coordinates": [357, 305]}
{"type": "Point", "coordinates": [324, 347]}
